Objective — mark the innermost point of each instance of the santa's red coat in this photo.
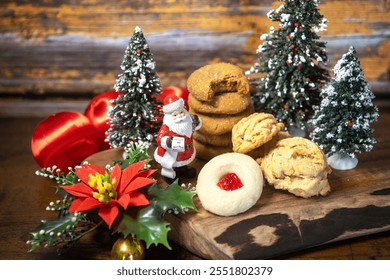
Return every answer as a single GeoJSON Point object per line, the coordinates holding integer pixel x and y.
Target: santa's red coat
{"type": "Point", "coordinates": [183, 158]}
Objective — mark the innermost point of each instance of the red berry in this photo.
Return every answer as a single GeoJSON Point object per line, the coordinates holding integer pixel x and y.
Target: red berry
{"type": "Point", "coordinates": [230, 182]}
{"type": "Point", "coordinates": [349, 123]}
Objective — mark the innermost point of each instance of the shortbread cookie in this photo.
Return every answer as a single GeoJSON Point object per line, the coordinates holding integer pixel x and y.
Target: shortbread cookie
{"type": "Point", "coordinates": [220, 124]}
{"type": "Point", "coordinates": [228, 103]}
{"type": "Point", "coordinates": [207, 151]}
{"type": "Point", "coordinates": [212, 79]}
{"type": "Point", "coordinates": [229, 184]}
{"type": "Point", "coordinates": [215, 140]}
{"type": "Point", "coordinates": [297, 165]}
{"type": "Point", "coordinates": [253, 131]}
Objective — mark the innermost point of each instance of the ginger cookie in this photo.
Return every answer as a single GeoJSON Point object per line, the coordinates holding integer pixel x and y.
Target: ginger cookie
{"type": "Point", "coordinates": [297, 165]}
{"type": "Point", "coordinates": [229, 103]}
{"type": "Point", "coordinates": [212, 79]}
{"type": "Point", "coordinates": [207, 151]}
{"type": "Point", "coordinates": [220, 124]}
{"type": "Point", "coordinates": [253, 131]}
{"type": "Point", "coordinates": [216, 140]}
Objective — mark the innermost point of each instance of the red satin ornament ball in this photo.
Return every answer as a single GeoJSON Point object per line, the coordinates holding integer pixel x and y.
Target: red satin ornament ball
{"type": "Point", "coordinates": [64, 139]}
{"type": "Point", "coordinates": [178, 91]}
{"type": "Point", "coordinates": [97, 111]}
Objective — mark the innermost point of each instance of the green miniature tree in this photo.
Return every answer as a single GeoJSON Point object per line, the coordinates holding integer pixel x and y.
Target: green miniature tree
{"type": "Point", "coordinates": [135, 112]}
{"type": "Point", "coordinates": [342, 120]}
{"type": "Point", "coordinates": [291, 59]}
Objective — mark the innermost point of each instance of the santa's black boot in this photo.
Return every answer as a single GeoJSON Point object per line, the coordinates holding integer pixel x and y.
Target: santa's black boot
{"type": "Point", "coordinates": [185, 172]}
{"type": "Point", "coordinates": [169, 180]}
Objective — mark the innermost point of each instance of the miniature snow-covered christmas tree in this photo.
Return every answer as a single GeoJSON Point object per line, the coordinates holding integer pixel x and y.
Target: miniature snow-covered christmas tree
{"type": "Point", "coordinates": [342, 120]}
{"type": "Point", "coordinates": [134, 114]}
{"type": "Point", "coordinates": [292, 59]}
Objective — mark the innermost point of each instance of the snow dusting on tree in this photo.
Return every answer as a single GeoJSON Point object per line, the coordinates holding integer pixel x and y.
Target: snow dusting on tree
{"type": "Point", "coordinates": [342, 120]}
{"type": "Point", "coordinates": [292, 58]}
{"type": "Point", "coordinates": [133, 115]}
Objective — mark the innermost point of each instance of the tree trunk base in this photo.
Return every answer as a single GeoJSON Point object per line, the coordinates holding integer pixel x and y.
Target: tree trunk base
{"type": "Point", "coordinates": [342, 161]}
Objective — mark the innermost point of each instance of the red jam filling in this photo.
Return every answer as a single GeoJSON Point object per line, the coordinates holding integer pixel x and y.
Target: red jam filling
{"type": "Point", "coordinates": [230, 182]}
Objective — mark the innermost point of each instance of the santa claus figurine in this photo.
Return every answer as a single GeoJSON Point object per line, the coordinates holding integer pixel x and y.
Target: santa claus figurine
{"type": "Point", "coordinates": [174, 139]}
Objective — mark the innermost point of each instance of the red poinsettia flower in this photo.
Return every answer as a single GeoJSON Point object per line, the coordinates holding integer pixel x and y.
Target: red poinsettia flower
{"type": "Point", "coordinates": [107, 192]}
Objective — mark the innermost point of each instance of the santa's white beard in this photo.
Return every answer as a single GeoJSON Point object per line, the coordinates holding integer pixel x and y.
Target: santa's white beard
{"type": "Point", "coordinates": [181, 126]}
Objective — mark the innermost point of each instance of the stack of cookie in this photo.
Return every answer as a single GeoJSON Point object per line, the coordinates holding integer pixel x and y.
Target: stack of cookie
{"type": "Point", "coordinates": [219, 95]}
{"type": "Point", "coordinates": [290, 163]}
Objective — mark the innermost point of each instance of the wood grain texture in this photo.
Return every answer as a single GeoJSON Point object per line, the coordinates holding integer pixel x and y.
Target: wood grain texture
{"type": "Point", "coordinates": [24, 197]}
{"type": "Point", "coordinates": [281, 223]}
{"type": "Point", "coordinates": [62, 48]}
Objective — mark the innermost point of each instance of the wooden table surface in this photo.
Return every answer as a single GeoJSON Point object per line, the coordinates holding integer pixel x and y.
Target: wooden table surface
{"type": "Point", "coordinates": [24, 197]}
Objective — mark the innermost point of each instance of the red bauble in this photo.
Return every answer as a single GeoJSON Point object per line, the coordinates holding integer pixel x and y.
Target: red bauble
{"type": "Point", "coordinates": [178, 91]}
{"type": "Point", "coordinates": [97, 111]}
{"type": "Point", "coordinates": [64, 139]}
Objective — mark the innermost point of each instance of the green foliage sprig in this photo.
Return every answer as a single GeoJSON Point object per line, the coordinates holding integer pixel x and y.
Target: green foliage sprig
{"type": "Point", "coordinates": [146, 223]}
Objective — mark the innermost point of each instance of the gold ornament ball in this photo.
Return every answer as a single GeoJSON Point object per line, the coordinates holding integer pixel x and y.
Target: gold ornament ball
{"type": "Point", "coordinates": [129, 248]}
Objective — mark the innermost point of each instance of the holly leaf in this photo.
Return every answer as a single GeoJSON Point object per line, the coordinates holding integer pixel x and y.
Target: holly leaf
{"type": "Point", "coordinates": [147, 226]}
{"type": "Point", "coordinates": [172, 198]}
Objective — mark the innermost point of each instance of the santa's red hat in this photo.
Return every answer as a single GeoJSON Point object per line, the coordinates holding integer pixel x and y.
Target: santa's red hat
{"type": "Point", "coordinates": [172, 103]}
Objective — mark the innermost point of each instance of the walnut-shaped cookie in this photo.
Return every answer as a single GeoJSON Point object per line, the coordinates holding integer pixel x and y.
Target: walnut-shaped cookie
{"type": "Point", "coordinates": [253, 131]}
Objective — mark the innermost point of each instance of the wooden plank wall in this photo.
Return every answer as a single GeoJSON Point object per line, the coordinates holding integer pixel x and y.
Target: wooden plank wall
{"type": "Point", "coordinates": [74, 48]}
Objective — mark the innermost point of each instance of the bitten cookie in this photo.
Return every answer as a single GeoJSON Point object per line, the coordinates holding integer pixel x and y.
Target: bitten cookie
{"type": "Point", "coordinates": [253, 131]}
{"type": "Point", "coordinates": [207, 151]}
{"type": "Point", "coordinates": [228, 103]}
{"type": "Point", "coordinates": [220, 124]}
{"type": "Point", "coordinates": [229, 184]}
{"type": "Point", "coordinates": [297, 165]}
{"type": "Point", "coordinates": [212, 79]}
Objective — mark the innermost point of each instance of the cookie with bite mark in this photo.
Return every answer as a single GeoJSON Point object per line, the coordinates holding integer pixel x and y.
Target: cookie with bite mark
{"type": "Point", "coordinates": [209, 80]}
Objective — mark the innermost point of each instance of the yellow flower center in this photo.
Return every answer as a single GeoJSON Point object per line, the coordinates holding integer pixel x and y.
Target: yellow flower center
{"type": "Point", "coordinates": [104, 187]}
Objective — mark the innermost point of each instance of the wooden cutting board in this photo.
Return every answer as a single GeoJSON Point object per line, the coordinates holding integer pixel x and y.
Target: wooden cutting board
{"type": "Point", "coordinates": [281, 223]}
